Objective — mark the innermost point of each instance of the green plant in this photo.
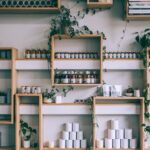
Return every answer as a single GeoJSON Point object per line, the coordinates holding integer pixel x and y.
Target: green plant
{"type": "Point", "coordinates": [54, 91]}
{"type": "Point", "coordinates": [143, 38]}
{"type": "Point", "coordinates": [66, 23]}
{"type": "Point", "coordinates": [27, 130]}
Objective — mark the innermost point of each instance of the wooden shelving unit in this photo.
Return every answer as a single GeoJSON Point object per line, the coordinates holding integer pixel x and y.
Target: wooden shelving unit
{"type": "Point", "coordinates": [99, 4]}
{"type": "Point", "coordinates": [119, 101]}
{"type": "Point", "coordinates": [13, 53]}
{"type": "Point", "coordinates": [40, 10]}
{"type": "Point", "coordinates": [18, 103]}
{"type": "Point", "coordinates": [54, 60]}
{"type": "Point", "coordinates": [134, 17]}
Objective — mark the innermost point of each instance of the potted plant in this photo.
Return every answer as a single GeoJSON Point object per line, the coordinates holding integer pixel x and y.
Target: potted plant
{"type": "Point", "coordinates": [129, 92]}
{"type": "Point", "coordinates": [56, 94]}
{"type": "Point", "coordinates": [26, 132]}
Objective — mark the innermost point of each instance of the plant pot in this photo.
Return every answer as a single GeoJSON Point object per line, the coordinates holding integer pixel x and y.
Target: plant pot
{"type": "Point", "coordinates": [26, 144]}
{"type": "Point", "coordinates": [48, 100]}
{"type": "Point", "coordinates": [58, 99]}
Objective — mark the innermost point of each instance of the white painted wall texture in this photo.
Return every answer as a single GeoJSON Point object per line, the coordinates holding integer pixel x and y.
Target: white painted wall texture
{"type": "Point", "coordinates": [31, 31]}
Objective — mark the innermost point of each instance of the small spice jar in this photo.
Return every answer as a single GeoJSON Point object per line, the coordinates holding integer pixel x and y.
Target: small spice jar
{"type": "Point", "coordinates": [79, 79]}
{"type": "Point", "coordinates": [33, 54]}
{"type": "Point", "coordinates": [134, 55]}
{"type": "Point", "coordinates": [130, 55]}
{"type": "Point", "coordinates": [28, 89]}
{"type": "Point", "coordinates": [126, 55]}
{"type": "Point", "coordinates": [73, 79]}
{"type": "Point", "coordinates": [27, 54]}
{"type": "Point", "coordinates": [110, 55]}
{"type": "Point", "coordinates": [80, 55]}
{"type": "Point", "coordinates": [118, 55]}
{"type": "Point", "coordinates": [23, 89]}
{"type": "Point", "coordinates": [57, 55]}
{"type": "Point", "coordinates": [38, 54]}
{"type": "Point", "coordinates": [65, 79]}
{"type": "Point", "coordinates": [114, 55]}
{"type": "Point", "coordinates": [122, 55]}
{"type": "Point", "coordinates": [84, 56]}
{"type": "Point", "coordinates": [62, 55]}
{"type": "Point", "coordinates": [66, 55]}
{"type": "Point", "coordinates": [43, 54]}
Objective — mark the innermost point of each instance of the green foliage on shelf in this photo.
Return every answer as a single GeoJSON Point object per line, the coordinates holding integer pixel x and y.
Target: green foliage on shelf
{"type": "Point", "coordinates": [143, 38]}
{"type": "Point", "coordinates": [27, 130]}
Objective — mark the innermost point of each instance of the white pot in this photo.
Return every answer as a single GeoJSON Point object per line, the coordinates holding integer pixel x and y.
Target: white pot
{"type": "Point", "coordinates": [26, 144]}
{"type": "Point", "coordinates": [58, 99]}
{"type": "Point", "coordinates": [48, 100]}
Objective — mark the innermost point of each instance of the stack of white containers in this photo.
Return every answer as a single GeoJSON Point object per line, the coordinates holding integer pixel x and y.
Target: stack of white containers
{"type": "Point", "coordinates": [117, 138]}
{"type": "Point", "coordinates": [72, 137]}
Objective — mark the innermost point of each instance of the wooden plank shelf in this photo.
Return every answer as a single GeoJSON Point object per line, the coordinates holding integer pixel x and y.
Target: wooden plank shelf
{"type": "Point", "coordinates": [78, 85]}
{"type": "Point", "coordinates": [7, 148]}
{"type": "Point", "coordinates": [97, 4]}
{"type": "Point", "coordinates": [57, 148]}
{"type": "Point", "coordinates": [134, 17]}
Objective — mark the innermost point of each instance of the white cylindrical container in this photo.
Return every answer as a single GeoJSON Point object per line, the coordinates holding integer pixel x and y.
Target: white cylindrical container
{"type": "Point", "coordinates": [119, 134]}
{"type": "Point", "coordinates": [137, 93]}
{"type": "Point", "coordinates": [83, 143]}
{"type": "Point", "coordinates": [23, 89]}
{"type": "Point", "coordinates": [114, 124]}
{"type": "Point", "coordinates": [51, 144]}
{"type": "Point", "coordinates": [106, 90]}
{"type": "Point", "coordinates": [111, 134]}
{"type": "Point", "coordinates": [124, 143]}
{"type": "Point", "coordinates": [65, 135]}
{"type": "Point", "coordinates": [39, 90]}
{"type": "Point", "coordinates": [62, 143]}
{"type": "Point", "coordinates": [58, 99]}
{"type": "Point", "coordinates": [26, 144]}
{"type": "Point", "coordinates": [100, 143]}
{"type": "Point", "coordinates": [28, 89]}
{"type": "Point", "coordinates": [76, 143]}
{"type": "Point", "coordinates": [73, 136]}
{"type": "Point", "coordinates": [108, 143]}
{"type": "Point", "coordinates": [69, 144]}
{"type": "Point", "coordinates": [80, 135]}
{"type": "Point", "coordinates": [116, 143]}
{"type": "Point", "coordinates": [33, 89]}
{"type": "Point", "coordinates": [68, 127]}
{"type": "Point", "coordinates": [133, 143]}
{"type": "Point", "coordinates": [118, 90]}
{"type": "Point", "coordinates": [128, 133]}
{"type": "Point", "coordinates": [76, 127]}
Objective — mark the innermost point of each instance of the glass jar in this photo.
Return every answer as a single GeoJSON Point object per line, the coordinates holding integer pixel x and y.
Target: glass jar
{"type": "Point", "coordinates": [130, 55]}
{"type": "Point", "coordinates": [134, 55]}
{"type": "Point", "coordinates": [87, 79]}
{"type": "Point", "coordinates": [73, 79]}
{"type": "Point", "coordinates": [122, 55]}
{"type": "Point", "coordinates": [80, 79]}
{"type": "Point", "coordinates": [38, 54]}
{"type": "Point", "coordinates": [27, 54]}
{"type": "Point", "coordinates": [126, 55]}
{"type": "Point", "coordinates": [65, 79]}
{"type": "Point", "coordinates": [43, 54]}
{"type": "Point", "coordinates": [114, 55]}
{"type": "Point", "coordinates": [33, 54]}
{"type": "Point", "coordinates": [118, 55]}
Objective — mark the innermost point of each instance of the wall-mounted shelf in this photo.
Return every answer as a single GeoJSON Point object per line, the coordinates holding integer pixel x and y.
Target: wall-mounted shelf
{"type": "Point", "coordinates": [99, 4]}
{"type": "Point", "coordinates": [121, 101]}
{"type": "Point", "coordinates": [74, 65]}
{"type": "Point", "coordinates": [9, 54]}
{"type": "Point", "coordinates": [32, 9]}
{"type": "Point", "coordinates": [65, 148]}
{"type": "Point", "coordinates": [18, 98]}
{"type": "Point", "coordinates": [135, 16]}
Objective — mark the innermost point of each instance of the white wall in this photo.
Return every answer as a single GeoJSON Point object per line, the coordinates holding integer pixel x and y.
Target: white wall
{"type": "Point", "coordinates": [31, 31]}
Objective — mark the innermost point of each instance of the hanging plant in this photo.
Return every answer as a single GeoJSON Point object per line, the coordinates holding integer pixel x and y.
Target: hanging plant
{"type": "Point", "coordinates": [66, 23]}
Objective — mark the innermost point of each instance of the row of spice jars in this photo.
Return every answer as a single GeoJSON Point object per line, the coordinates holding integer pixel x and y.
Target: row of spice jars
{"type": "Point", "coordinates": [77, 55]}
{"type": "Point", "coordinates": [77, 77]}
{"type": "Point", "coordinates": [5, 54]}
{"type": "Point", "coordinates": [37, 54]}
{"type": "Point", "coordinates": [130, 55]}
{"type": "Point", "coordinates": [30, 89]}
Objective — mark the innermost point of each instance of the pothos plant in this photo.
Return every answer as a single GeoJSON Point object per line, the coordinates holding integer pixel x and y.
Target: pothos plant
{"type": "Point", "coordinates": [26, 130]}
{"type": "Point", "coordinates": [54, 91]}
{"type": "Point", "coordinates": [143, 38]}
{"type": "Point", "coordinates": [66, 23]}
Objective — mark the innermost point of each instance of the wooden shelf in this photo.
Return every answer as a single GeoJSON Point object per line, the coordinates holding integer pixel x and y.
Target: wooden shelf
{"type": "Point", "coordinates": [64, 104]}
{"type": "Point", "coordinates": [78, 85]}
{"type": "Point", "coordinates": [45, 10]}
{"type": "Point", "coordinates": [7, 148]}
{"type": "Point", "coordinates": [63, 149]}
{"type": "Point", "coordinates": [117, 149]}
{"type": "Point", "coordinates": [122, 59]}
{"type": "Point", "coordinates": [92, 4]}
{"type": "Point", "coordinates": [33, 10]}
{"type": "Point", "coordinates": [91, 65]}
{"type": "Point", "coordinates": [73, 59]}
{"type": "Point", "coordinates": [28, 95]}
{"type": "Point", "coordinates": [29, 148]}
{"type": "Point", "coordinates": [119, 98]}
{"type": "Point", "coordinates": [134, 17]}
